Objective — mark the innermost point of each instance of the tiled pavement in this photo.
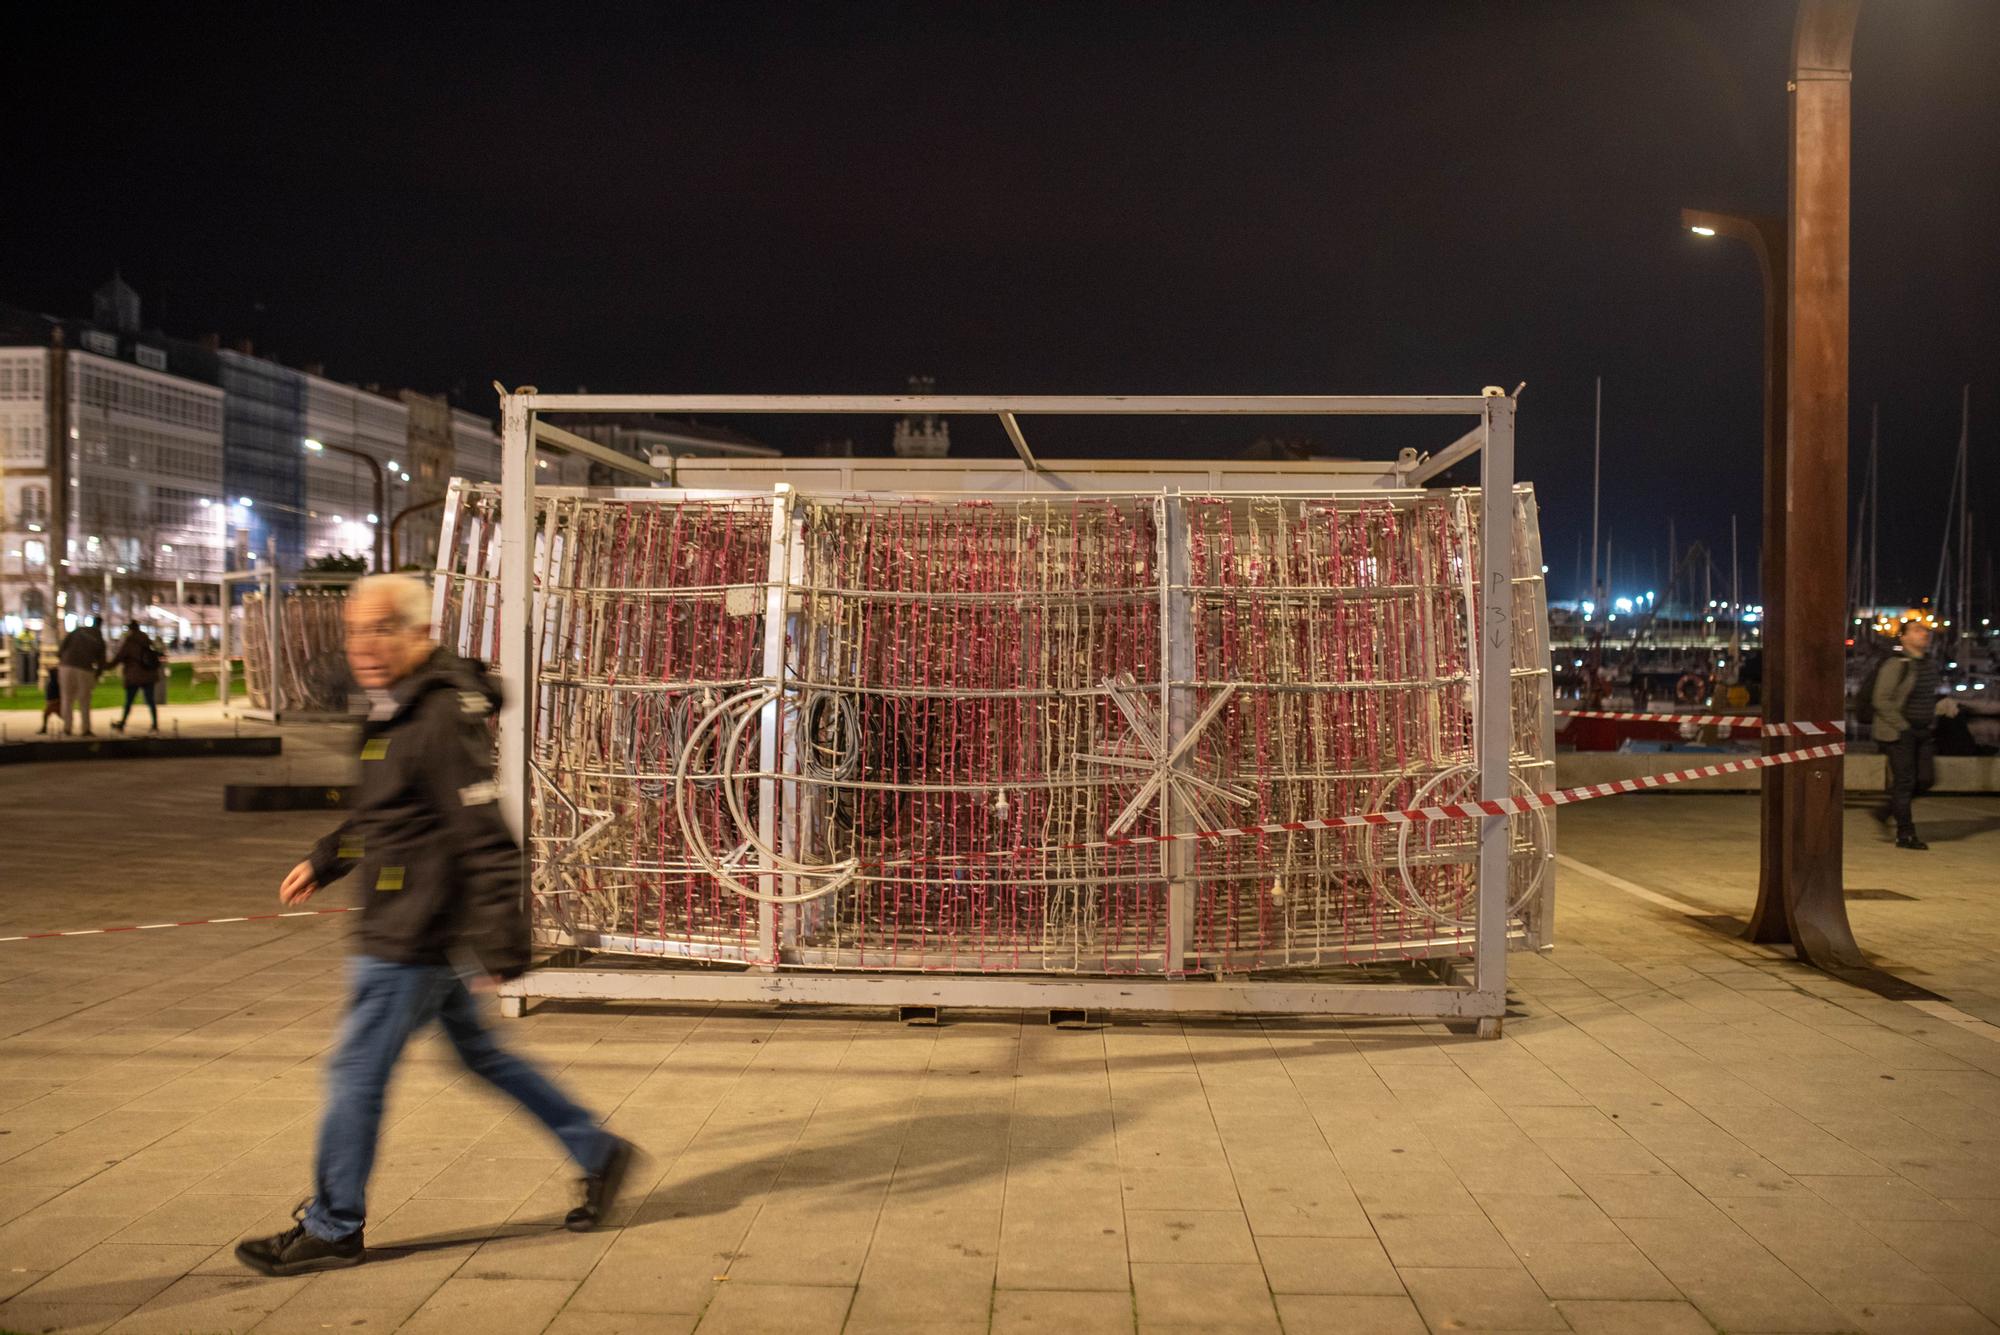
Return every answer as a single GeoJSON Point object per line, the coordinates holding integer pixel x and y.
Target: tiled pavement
{"type": "Point", "coordinates": [1678, 1133]}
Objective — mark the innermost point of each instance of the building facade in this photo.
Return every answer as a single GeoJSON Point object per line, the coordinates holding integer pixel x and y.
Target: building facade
{"type": "Point", "coordinates": [110, 478]}
{"type": "Point", "coordinates": [136, 469]}
{"type": "Point", "coordinates": [345, 514]}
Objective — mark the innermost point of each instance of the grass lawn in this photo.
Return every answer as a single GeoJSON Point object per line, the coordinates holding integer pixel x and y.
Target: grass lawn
{"type": "Point", "coordinates": [182, 689]}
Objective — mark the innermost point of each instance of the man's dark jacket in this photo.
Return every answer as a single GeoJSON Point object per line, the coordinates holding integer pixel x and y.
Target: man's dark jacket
{"type": "Point", "coordinates": [82, 648]}
{"type": "Point", "coordinates": [438, 866]}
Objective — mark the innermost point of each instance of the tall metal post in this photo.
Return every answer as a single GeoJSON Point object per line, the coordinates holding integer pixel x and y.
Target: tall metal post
{"type": "Point", "coordinates": [1496, 700]}
{"type": "Point", "coordinates": [777, 584]}
{"type": "Point", "coordinates": [1814, 657]}
{"type": "Point", "coordinates": [1177, 707]}
{"type": "Point", "coordinates": [517, 525]}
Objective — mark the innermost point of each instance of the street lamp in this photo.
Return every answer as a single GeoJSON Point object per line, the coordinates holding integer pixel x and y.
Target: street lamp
{"type": "Point", "coordinates": [1765, 236]}
{"type": "Point", "coordinates": [380, 482]}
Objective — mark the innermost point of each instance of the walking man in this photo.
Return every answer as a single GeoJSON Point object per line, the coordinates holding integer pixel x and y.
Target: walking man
{"type": "Point", "coordinates": [79, 659]}
{"type": "Point", "coordinates": [138, 660]}
{"type": "Point", "coordinates": [441, 877]}
{"type": "Point", "coordinates": [1905, 703]}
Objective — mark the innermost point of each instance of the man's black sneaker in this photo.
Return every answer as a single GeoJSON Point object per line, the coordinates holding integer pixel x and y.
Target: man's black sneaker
{"type": "Point", "coordinates": [1910, 841]}
{"type": "Point", "coordinates": [600, 1190]}
{"type": "Point", "coordinates": [297, 1252]}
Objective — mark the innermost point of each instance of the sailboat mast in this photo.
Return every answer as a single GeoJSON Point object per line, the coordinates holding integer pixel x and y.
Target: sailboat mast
{"type": "Point", "coordinates": [1964, 617]}
{"type": "Point", "coordinates": [1735, 609]}
{"type": "Point", "coordinates": [1940, 587]}
{"type": "Point", "coordinates": [1673, 562]}
{"type": "Point", "coordinates": [1596, 473]}
{"type": "Point", "coordinates": [1875, 504]}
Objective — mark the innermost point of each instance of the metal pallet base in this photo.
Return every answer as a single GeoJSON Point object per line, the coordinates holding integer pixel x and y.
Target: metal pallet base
{"type": "Point", "coordinates": [981, 992]}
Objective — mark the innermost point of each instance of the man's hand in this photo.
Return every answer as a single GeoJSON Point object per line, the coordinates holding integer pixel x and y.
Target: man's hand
{"type": "Point", "coordinates": [1947, 709]}
{"type": "Point", "coordinates": [298, 885]}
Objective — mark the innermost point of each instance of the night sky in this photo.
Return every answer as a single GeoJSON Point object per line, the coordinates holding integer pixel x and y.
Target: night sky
{"type": "Point", "coordinates": [1071, 198]}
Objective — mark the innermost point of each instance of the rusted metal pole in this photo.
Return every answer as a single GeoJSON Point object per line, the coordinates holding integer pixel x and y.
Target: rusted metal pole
{"type": "Point", "coordinates": [1813, 599]}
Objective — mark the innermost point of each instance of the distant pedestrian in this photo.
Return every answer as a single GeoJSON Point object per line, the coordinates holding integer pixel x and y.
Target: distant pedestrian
{"type": "Point", "coordinates": [138, 659]}
{"type": "Point", "coordinates": [441, 877]}
{"type": "Point", "coordinates": [1642, 693]}
{"type": "Point", "coordinates": [1904, 706]}
{"type": "Point", "coordinates": [79, 659]}
{"type": "Point", "coordinates": [51, 699]}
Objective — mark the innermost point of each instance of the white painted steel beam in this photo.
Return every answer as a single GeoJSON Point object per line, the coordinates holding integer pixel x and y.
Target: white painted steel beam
{"type": "Point", "coordinates": [1495, 663]}
{"type": "Point", "coordinates": [1461, 448]}
{"type": "Point", "coordinates": [1012, 426]}
{"type": "Point", "coordinates": [1297, 405]}
{"type": "Point", "coordinates": [993, 992]}
{"type": "Point", "coordinates": [517, 536]}
{"type": "Point", "coordinates": [557, 438]}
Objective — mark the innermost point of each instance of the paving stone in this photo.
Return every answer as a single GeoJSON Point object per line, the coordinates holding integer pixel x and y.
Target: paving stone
{"type": "Point", "coordinates": [936, 1297]}
{"type": "Point", "coordinates": [1188, 1235]}
{"type": "Point", "coordinates": [207, 1303]}
{"type": "Point", "coordinates": [1497, 1299]}
{"type": "Point", "coordinates": [1029, 1312]}
{"type": "Point", "coordinates": [1354, 1266]}
{"type": "Point", "coordinates": [126, 1273]}
{"type": "Point", "coordinates": [776, 1309]}
{"type": "Point", "coordinates": [35, 1242]}
{"type": "Point", "coordinates": [571, 1322]}
{"type": "Point", "coordinates": [1220, 1295]}
{"type": "Point", "coordinates": [26, 1314]}
{"type": "Point", "coordinates": [1442, 1240]}
{"type": "Point", "coordinates": [1645, 1196]}
{"type": "Point", "coordinates": [1879, 1197]}
{"type": "Point", "coordinates": [1622, 1317]}
{"type": "Point", "coordinates": [206, 1218]}
{"type": "Point", "coordinates": [1594, 1270]}
{"type": "Point", "coordinates": [1348, 1314]}
{"type": "Point", "coordinates": [499, 1306]}
{"type": "Point", "coordinates": [312, 1318]}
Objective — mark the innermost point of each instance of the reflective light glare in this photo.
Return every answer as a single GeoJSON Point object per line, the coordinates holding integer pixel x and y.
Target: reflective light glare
{"type": "Point", "coordinates": [372, 519]}
{"type": "Point", "coordinates": [1702, 231]}
{"type": "Point", "coordinates": [312, 444]}
{"type": "Point", "coordinates": [244, 500]}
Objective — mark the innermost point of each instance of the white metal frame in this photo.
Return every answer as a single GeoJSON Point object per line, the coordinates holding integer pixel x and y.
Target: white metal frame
{"type": "Point", "coordinates": [272, 584]}
{"type": "Point", "coordinates": [1483, 999]}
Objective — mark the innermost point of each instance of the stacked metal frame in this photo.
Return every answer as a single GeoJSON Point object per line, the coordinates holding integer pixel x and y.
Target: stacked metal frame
{"type": "Point", "coordinates": [869, 733]}
{"type": "Point", "coordinates": [292, 643]}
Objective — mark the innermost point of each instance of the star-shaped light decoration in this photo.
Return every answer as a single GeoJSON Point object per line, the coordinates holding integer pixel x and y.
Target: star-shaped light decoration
{"type": "Point", "coordinates": [1168, 769]}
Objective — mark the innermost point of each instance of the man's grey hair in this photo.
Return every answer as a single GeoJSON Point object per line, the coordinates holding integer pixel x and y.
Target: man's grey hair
{"type": "Point", "coordinates": [407, 595]}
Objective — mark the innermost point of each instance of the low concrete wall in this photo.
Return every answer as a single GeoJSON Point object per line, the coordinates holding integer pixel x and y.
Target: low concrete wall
{"type": "Point", "coordinates": [1864, 771]}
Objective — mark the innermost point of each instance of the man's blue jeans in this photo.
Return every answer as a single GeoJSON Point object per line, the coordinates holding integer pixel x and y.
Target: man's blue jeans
{"type": "Point", "coordinates": [389, 1003]}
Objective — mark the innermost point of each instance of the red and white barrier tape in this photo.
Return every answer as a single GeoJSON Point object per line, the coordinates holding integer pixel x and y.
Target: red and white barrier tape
{"type": "Point", "coordinates": [1828, 729]}
{"type": "Point", "coordinates": [192, 922]}
{"type": "Point", "coordinates": [1503, 806]}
